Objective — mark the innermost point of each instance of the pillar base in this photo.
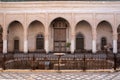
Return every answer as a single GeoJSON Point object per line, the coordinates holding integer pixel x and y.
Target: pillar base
{"type": "Point", "coordinates": [4, 46]}
{"type": "Point", "coordinates": [114, 46]}
{"type": "Point", "coordinates": [25, 46]}
{"type": "Point", "coordinates": [94, 46]}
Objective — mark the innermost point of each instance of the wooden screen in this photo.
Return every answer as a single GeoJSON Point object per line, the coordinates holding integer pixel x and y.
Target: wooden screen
{"type": "Point", "coordinates": [59, 36]}
{"type": "Point", "coordinates": [60, 40]}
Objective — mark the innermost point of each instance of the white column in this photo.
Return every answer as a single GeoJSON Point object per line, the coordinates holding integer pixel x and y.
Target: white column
{"type": "Point", "coordinates": [25, 46]}
{"type": "Point", "coordinates": [47, 34]}
{"type": "Point", "coordinates": [25, 42]}
{"type": "Point", "coordinates": [46, 44]}
{"type": "Point", "coordinates": [115, 42]}
{"type": "Point", "coordinates": [114, 46]}
{"type": "Point", "coordinates": [4, 41]}
{"type": "Point", "coordinates": [94, 50]}
{"type": "Point", "coordinates": [46, 40]}
{"type": "Point", "coordinates": [72, 43]}
{"type": "Point", "coordinates": [94, 46]}
{"type": "Point", "coordinates": [5, 46]}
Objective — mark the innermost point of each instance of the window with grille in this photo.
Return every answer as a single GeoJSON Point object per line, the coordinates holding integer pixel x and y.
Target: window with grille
{"type": "Point", "coordinates": [39, 42]}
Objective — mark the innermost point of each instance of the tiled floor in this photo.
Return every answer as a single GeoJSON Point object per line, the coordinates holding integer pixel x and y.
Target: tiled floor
{"type": "Point", "coordinates": [59, 76]}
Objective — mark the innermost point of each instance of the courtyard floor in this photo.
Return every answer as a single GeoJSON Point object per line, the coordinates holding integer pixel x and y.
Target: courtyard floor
{"type": "Point", "coordinates": [47, 75]}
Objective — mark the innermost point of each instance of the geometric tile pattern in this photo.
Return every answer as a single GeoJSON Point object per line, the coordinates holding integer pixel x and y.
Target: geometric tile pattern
{"type": "Point", "coordinates": [59, 76]}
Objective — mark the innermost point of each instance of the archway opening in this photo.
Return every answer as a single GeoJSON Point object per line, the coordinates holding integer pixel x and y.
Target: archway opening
{"type": "Point", "coordinates": [60, 34]}
{"type": "Point", "coordinates": [15, 37]}
{"type": "Point", "coordinates": [36, 37]}
{"type": "Point", "coordinates": [104, 36]}
{"type": "Point", "coordinates": [83, 42]}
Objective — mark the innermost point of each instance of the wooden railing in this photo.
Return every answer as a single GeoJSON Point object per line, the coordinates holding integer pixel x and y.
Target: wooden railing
{"type": "Point", "coordinates": [76, 61]}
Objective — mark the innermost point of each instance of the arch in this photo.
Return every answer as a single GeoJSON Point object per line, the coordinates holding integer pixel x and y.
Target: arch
{"type": "Point", "coordinates": [83, 21]}
{"type": "Point", "coordinates": [104, 34]}
{"type": "Point", "coordinates": [80, 35]}
{"type": "Point", "coordinates": [60, 33]}
{"type": "Point", "coordinates": [40, 35]}
{"type": "Point", "coordinates": [59, 19]}
{"type": "Point", "coordinates": [34, 22]}
{"type": "Point", "coordinates": [15, 37]}
{"type": "Point", "coordinates": [1, 40]}
{"type": "Point", "coordinates": [79, 41]}
{"type": "Point", "coordinates": [85, 28]}
{"type": "Point", "coordinates": [14, 21]}
{"type": "Point", "coordinates": [65, 19]}
{"type": "Point", "coordinates": [35, 29]}
{"type": "Point", "coordinates": [106, 22]}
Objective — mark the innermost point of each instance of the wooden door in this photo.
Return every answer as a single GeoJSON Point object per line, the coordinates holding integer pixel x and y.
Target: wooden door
{"type": "Point", "coordinates": [16, 45]}
{"type": "Point", "coordinates": [60, 26]}
{"type": "Point", "coordinates": [60, 39]}
{"type": "Point", "coordinates": [80, 43]}
{"type": "Point", "coordinates": [39, 42]}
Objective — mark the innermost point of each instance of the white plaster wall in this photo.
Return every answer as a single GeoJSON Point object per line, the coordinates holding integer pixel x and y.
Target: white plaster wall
{"type": "Point", "coordinates": [104, 30]}
{"type": "Point", "coordinates": [93, 12]}
{"type": "Point", "coordinates": [10, 17]}
{"type": "Point", "coordinates": [86, 30]}
{"type": "Point", "coordinates": [15, 31]}
{"type": "Point", "coordinates": [33, 30]}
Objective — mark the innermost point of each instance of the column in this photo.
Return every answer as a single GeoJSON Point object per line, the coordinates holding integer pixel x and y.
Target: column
{"type": "Point", "coordinates": [46, 40]}
{"type": "Point", "coordinates": [73, 25]}
{"type": "Point", "coordinates": [94, 41]}
{"type": "Point", "coordinates": [25, 42]}
{"type": "Point", "coordinates": [72, 43]}
{"type": "Point", "coordinates": [47, 33]}
{"type": "Point", "coordinates": [114, 42]}
{"type": "Point", "coordinates": [4, 41]}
